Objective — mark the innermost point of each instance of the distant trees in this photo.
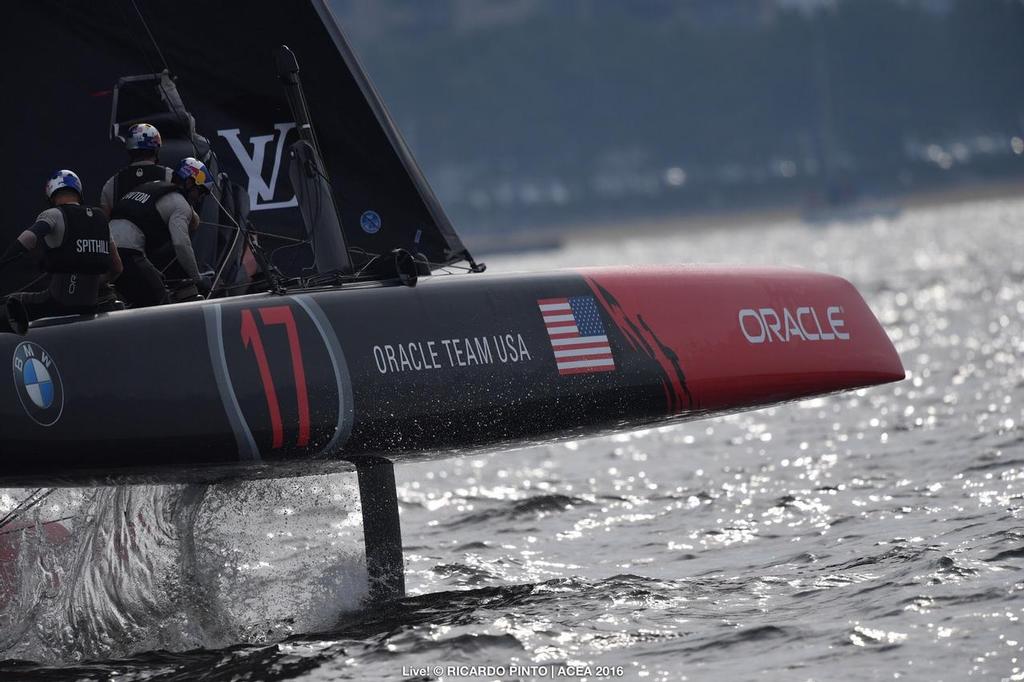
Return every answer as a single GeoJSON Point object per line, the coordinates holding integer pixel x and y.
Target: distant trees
{"type": "Point", "coordinates": [860, 83]}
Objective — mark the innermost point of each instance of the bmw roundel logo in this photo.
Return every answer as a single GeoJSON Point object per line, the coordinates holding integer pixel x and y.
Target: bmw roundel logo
{"type": "Point", "coordinates": [370, 222]}
{"type": "Point", "coordinates": [38, 383]}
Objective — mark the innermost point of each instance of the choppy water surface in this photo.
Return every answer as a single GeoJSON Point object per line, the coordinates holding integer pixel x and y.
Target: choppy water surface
{"type": "Point", "coordinates": [873, 535]}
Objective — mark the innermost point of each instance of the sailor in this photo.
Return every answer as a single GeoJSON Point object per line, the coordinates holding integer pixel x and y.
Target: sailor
{"type": "Point", "coordinates": [143, 144]}
{"type": "Point", "coordinates": [76, 249]}
{"type": "Point", "coordinates": [151, 225]}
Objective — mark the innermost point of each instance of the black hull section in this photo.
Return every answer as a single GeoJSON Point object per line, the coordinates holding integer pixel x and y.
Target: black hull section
{"type": "Point", "coordinates": [201, 391]}
{"type": "Point", "coordinates": [270, 386]}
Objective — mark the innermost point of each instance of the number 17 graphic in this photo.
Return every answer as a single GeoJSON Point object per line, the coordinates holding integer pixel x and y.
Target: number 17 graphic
{"type": "Point", "coordinates": [278, 315]}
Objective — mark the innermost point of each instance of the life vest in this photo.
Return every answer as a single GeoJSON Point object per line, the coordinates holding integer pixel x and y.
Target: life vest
{"type": "Point", "coordinates": [139, 206]}
{"type": "Point", "coordinates": [86, 246]}
{"type": "Point", "coordinates": [130, 177]}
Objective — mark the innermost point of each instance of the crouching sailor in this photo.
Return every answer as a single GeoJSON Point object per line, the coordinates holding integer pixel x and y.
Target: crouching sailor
{"type": "Point", "coordinates": [143, 144]}
{"type": "Point", "coordinates": [151, 225]}
{"type": "Point", "coordinates": [76, 249]}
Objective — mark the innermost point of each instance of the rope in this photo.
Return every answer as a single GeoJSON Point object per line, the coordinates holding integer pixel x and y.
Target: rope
{"type": "Point", "coordinates": [34, 498]}
{"type": "Point", "coordinates": [156, 45]}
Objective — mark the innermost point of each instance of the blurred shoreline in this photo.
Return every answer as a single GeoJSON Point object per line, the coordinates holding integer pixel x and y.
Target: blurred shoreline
{"type": "Point", "coordinates": [526, 239]}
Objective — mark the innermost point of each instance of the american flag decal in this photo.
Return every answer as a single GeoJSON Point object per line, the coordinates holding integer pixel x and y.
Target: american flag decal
{"type": "Point", "coordinates": [577, 335]}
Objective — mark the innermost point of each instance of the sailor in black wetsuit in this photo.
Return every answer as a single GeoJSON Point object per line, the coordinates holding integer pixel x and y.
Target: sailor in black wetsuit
{"type": "Point", "coordinates": [143, 144]}
{"type": "Point", "coordinates": [151, 225]}
{"type": "Point", "coordinates": [76, 248]}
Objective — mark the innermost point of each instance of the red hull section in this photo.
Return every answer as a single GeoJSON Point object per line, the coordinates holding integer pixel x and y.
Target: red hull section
{"type": "Point", "coordinates": [730, 337]}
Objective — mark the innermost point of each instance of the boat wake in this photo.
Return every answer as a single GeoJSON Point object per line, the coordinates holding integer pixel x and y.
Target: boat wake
{"type": "Point", "coordinates": [491, 623]}
{"type": "Point", "coordinates": [179, 567]}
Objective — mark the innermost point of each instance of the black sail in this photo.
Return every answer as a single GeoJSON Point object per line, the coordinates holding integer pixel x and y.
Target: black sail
{"type": "Point", "coordinates": [63, 58]}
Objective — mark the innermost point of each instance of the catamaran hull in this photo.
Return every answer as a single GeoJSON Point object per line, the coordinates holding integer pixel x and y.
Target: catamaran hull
{"type": "Point", "coordinates": [271, 385]}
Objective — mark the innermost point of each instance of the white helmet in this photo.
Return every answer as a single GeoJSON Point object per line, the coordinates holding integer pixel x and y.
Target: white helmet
{"type": "Point", "coordinates": [143, 136]}
{"type": "Point", "coordinates": [63, 179]}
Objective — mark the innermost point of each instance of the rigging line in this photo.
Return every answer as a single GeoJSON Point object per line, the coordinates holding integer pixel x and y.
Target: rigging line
{"type": "Point", "coordinates": [26, 505]}
{"type": "Point", "coordinates": [15, 510]}
{"type": "Point", "coordinates": [309, 120]}
{"type": "Point", "coordinates": [258, 233]}
{"type": "Point", "coordinates": [254, 246]}
{"type": "Point", "coordinates": [44, 523]}
{"type": "Point", "coordinates": [288, 246]}
{"type": "Point", "coordinates": [146, 57]}
{"type": "Point", "coordinates": [167, 69]}
{"type": "Point", "coordinates": [241, 285]}
{"type": "Point", "coordinates": [453, 264]}
{"type": "Point", "coordinates": [230, 250]}
{"type": "Point", "coordinates": [150, 34]}
{"type": "Point", "coordinates": [32, 283]}
{"type": "Point", "coordinates": [367, 265]}
{"type": "Point", "coordinates": [361, 251]}
{"type": "Point", "coordinates": [169, 264]}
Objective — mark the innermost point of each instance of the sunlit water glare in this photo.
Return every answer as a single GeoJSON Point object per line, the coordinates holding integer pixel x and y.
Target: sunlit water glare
{"type": "Point", "coordinates": [877, 533]}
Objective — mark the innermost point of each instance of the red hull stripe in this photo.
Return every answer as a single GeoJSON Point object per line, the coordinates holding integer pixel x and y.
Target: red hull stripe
{"type": "Point", "coordinates": [727, 336]}
{"type": "Point", "coordinates": [572, 351]}
{"type": "Point", "coordinates": [587, 370]}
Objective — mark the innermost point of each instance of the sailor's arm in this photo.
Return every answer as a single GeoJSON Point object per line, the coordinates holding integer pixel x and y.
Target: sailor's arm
{"type": "Point", "coordinates": [116, 267]}
{"type": "Point", "coordinates": [180, 223]}
{"type": "Point", "coordinates": [17, 249]}
{"type": "Point", "coordinates": [107, 196]}
{"type": "Point", "coordinates": [30, 238]}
